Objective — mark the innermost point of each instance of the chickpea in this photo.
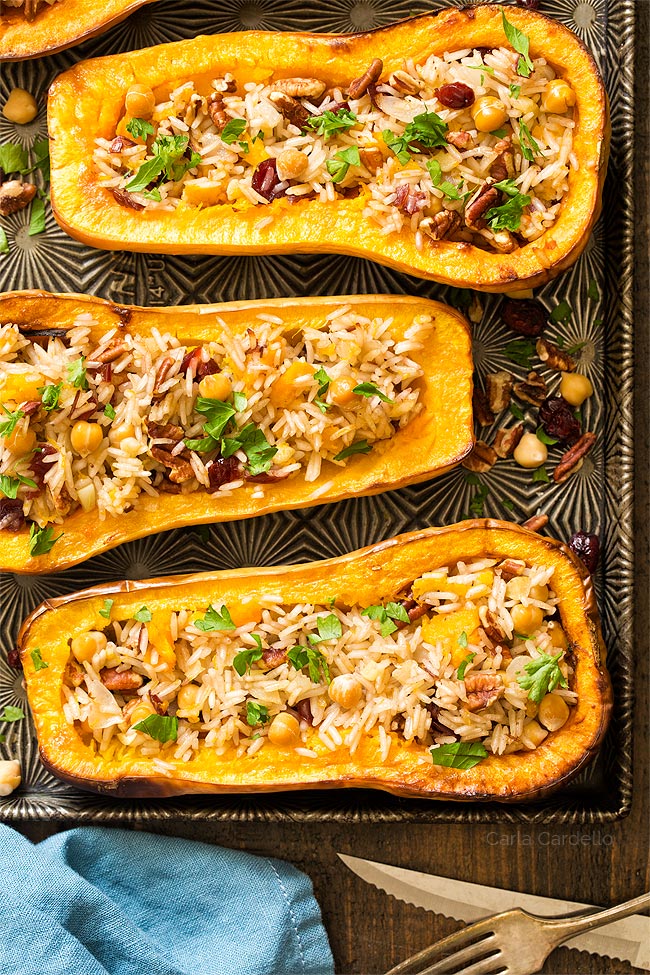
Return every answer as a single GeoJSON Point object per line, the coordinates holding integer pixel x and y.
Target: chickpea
{"type": "Point", "coordinates": [120, 432]}
{"type": "Point", "coordinates": [526, 619]}
{"type": "Point", "coordinates": [21, 440]}
{"type": "Point", "coordinates": [553, 711]}
{"type": "Point", "coordinates": [539, 592]}
{"type": "Point", "coordinates": [530, 451]}
{"type": "Point", "coordinates": [85, 647]}
{"type": "Point", "coordinates": [557, 636]}
{"type": "Point", "coordinates": [575, 388]}
{"type": "Point", "coordinates": [533, 734]}
{"type": "Point", "coordinates": [20, 107]}
{"type": "Point", "coordinates": [140, 101]}
{"type": "Point", "coordinates": [132, 446]}
{"type": "Point", "coordinates": [340, 390]}
{"type": "Point", "coordinates": [284, 730]}
{"type": "Point", "coordinates": [558, 97]}
{"type": "Point", "coordinates": [288, 388]}
{"type": "Point", "coordinates": [188, 698]}
{"type": "Point", "coordinates": [291, 163]}
{"type": "Point", "coordinates": [140, 712]}
{"type": "Point", "coordinates": [345, 690]}
{"type": "Point", "coordinates": [86, 437]}
{"type": "Point", "coordinates": [215, 386]}
{"type": "Point", "coordinates": [517, 588]}
{"type": "Point", "coordinates": [488, 113]}
{"type": "Point", "coordinates": [9, 776]}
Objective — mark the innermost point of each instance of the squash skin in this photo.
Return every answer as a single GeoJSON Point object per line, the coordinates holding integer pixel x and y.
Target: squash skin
{"type": "Point", "coordinates": [365, 576]}
{"type": "Point", "coordinates": [88, 100]}
{"type": "Point", "coordinates": [435, 441]}
{"type": "Point", "coordinates": [61, 26]}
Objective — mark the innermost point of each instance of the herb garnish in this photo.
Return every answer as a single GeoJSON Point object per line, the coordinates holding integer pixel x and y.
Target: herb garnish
{"type": "Point", "coordinates": [143, 615]}
{"type": "Point", "coordinates": [232, 130]}
{"type": "Point", "coordinates": [561, 314]}
{"type": "Point", "coordinates": [541, 476]}
{"type": "Point", "coordinates": [50, 396]}
{"type": "Point", "coordinates": [313, 659]}
{"type": "Point", "coordinates": [253, 442]}
{"type": "Point", "coordinates": [427, 129]}
{"type": "Point", "coordinates": [37, 660]}
{"type": "Point", "coordinates": [105, 611]}
{"type": "Point", "coordinates": [9, 486]}
{"type": "Point", "coordinates": [139, 128]}
{"type": "Point", "coordinates": [7, 427]}
{"type": "Point", "coordinates": [385, 616]}
{"type": "Point", "coordinates": [541, 676]}
{"type": "Point", "coordinates": [169, 160]}
{"type": "Point", "coordinates": [360, 447]}
{"type": "Point", "coordinates": [516, 411]}
{"type": "Point", "coordinates": [109, 411]}
{"type": "Point", "coordinates": [159, 726]}
{"type": "Point", "coordinates": [36, 217]}
{"type": "Point", "coordinates": [215, 619]}
{"type": "Point", "coordinates": [542, 435]}
{"type": "Point", "coordinates": [508, 215]}
{"type": "Point", "coordinates": [329, 628]}
{"type": "Point", "coordinates": [520, 351]}
{"type": "Point", "coordinates": [339, 165]}
{"type": "Point", "coordinates": [77, 373]}
{"type": "Point", "coordinates": [11, 714]}
{"type": "Point", "coordinates": [527, 143]}
{"type": "Point", "coordinates": [462, 640]}
{"type": "Point", "coordinates": [245, 659]}
{"type": "Point", "coordinates": [369, 389]}
{"type": "Point", "coordinates": [330, 122]}
{"type": "Point", "coordinates": [256, 714]}
{"type": "Point", "coordinates": [521, 44]}
{"type": "Point", "coordinates": [592, 291]}
{"type": "Point", "coordinates": [459, 754]}
{"type": "Point", "coordinates": [450, 190]}
{"type": "Point", "coordinates": [41, 540]}
{"type": "Point", "coordinates": [464, 664]}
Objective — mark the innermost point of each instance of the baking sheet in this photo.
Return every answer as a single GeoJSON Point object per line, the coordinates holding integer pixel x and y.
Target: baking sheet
{"type": "Point", "coordinates": [599, 498]}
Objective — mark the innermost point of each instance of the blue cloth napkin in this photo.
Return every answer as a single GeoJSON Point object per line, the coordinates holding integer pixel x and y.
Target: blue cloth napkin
{"type": "Point", "coordinates": [93, 901]}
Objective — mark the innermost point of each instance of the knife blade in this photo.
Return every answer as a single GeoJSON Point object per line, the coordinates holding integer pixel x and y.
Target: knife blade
{"type": "Point", "coordinates": [627, 940]}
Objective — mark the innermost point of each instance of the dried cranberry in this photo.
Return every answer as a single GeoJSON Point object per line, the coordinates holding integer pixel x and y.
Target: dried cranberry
{"type": "Point", "coordinates": [530, 4]}
{"type": "Point", "coordinates": [266, 181]}
{"type": "Point", "coordinates": [206, 368]}
{"type": "Point", "coordinates": [37, 464]}
{"type": "Point", "coordinates": [13, 659]}
{"type": "Point", "coordinates": [525, 316]}
{"type": "Point", "coordinates": [191, 361]}
{"type": "Point", "coordinates": [12, 518]}
{"type": "Point", "coordinates": [586, 546]}
{"type": "Point", "coordinates": [222, 471]}
{"type": "Point", "coordinates": [455, 95]}
{"type": "Point", "coordinates": [303, 709]}
{"type": "Point", "coordinates": [558, 420]}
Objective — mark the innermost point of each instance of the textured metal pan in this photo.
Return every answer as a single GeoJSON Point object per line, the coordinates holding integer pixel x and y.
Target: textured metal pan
{"type": "Point", "coordinates": [599, 498]}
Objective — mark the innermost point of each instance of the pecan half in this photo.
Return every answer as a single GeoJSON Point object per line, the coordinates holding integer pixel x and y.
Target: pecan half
{"type": "Point", "coordinates": [441, 225]}
{"type": "Point", "coordinates": [482, 690]}
{"type": "Point", "coordinates": [372, 159]}
{"type": "Point", "coordinates": [490, 625]}
{"type": "Point", "coordinates": [370, 76]}
{"type": "Point", "coordinates": [482, 412]}
{"type": "Point", "coordinates": [15, 195]}
{"type": "Point", "coordinates": [506, 439]}
{"type": "Point", "coordinates": [498, 386]}
{"type": "Point", "coordinates": [405, 83]}
{"type": "Point", "coordinates": [295, 113]}
{"type": "Point", "coordinates": [181, 470]}
{"type": "Point", "coordinates": [165, 431]}
{"type": "Point", "coordinates": [120, 680]}
{"type": "Point", "coordinates": [112, 352]}
{"type": "Point", "coordinates": [125, 199]}
{"type": "Point", "coordinates": [461, 140]}
{"type": "Point", "coordinates": [274, 656]}
{"type": "Point", "coordinates": [482, 458]}
{"type": "Point", "coordinates": [161, 373]}
{"type": "Point", "coordinates": [217, 112]}
{"type": "Point", "coordinates": [300, 87]}
{"type": "Point", "coordinates": [533, 390]}
{"type": "Point", "coordinates": [511, 568]}
{"type": "Point", "coordinates": [534, 523]}
{"type": "Point", "coordinates": [571, 461]}
{"type": "Point", "coordinates": [503, 166]}
{"type": "Point", "coordinates": [486, 198]}
{"type": "Point", "coordinates": [554, 357]}
{"type": "Point", "coordinates": [30, 406]}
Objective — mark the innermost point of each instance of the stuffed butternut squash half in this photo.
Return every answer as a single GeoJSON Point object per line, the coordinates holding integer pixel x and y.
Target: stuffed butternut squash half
{"type": "Point", "coordinates": [31, 28]}
{"type": "Point", "coordinates": [463, 662]}
{"type": "Point", "coordinates": [467, 147]}
{"type": "Point", "coordinates": [119, 422]}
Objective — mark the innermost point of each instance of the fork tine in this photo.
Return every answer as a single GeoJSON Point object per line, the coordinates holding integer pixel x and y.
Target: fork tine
{"type": "Point", "coordinates": [454, 962]}
{"type": "Point", "coordinates": [468, 939]}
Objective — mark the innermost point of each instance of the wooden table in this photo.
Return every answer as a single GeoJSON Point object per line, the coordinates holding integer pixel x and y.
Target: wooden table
{"type": "Point", "coordinates": [369, 931]}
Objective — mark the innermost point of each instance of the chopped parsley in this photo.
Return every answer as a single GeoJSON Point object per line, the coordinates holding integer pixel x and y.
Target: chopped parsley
{"type": "Point", "coordinates": [527, 143]}
{"type": "Point", "coordinates": [516, 411]}
{"type": "Point", "coordinates": [50, 396]}
{"type": "Point", "coordinates": [386, 615]}
{"type": "Point", "coordinates": [477, 504]}
{"type": "Point", "coordinates": [459, 754]}
{"type": "Point", "coordinates": [245, 659]}
{"type": "Point", "coordinates": [9, 486]}
{"type": "Point", "coordinates": [139, 128]}
{"type": "Point", "coordinates": [540, 475]}
{"type": "Point", "coordinates": [464, 664]}
{"type": "Point", "coordinates": [159, 726]}
{"type": "Point", "coordinates": [239, 401]}
{"type": "Point", "coordinates": [542, 435]}
{"type": "Point", "coordinates": [256, 714]}
{"type": "Point", "coordinates": [323, 381]}
{"type": "Point", "coordinates": [232, 130]}
{"type": "Point", "coordinates": [462, 640]}
{"type": "Point", "coordinates": [561, 314]}
{"type": "Point", "coordinates": [313, 659]}
{"type": "Point", "coordinates": [521, 43]}
{"type": "Point", "coordinates": [508, 215]}
{"type": "Point", "coordinates": [11, 714]}
{"type": "Point", "coordinates": [217, 413]}
{"type": "Point", "coordinates": [514, 91]}
{"type": "Point", "coordinates": [369, 389]}
{"type": "Point", "coordinates": [109, 411]}
{"type": "Point", "coordinates": [520, 351]}
{"type": "Point", "coordinates": [329, 628]}
{"type": "Point", "coordinates": [253, 442]}
{"type": "Point", "coordinates": [8, 426]}
{"type": "Point", "coordinates": [36, 217]}
{"type": "Point", "coordinates": [143, 615]}
{"type": "Point", "coordinates": [339, 165]}
{"type": "Point", "coordinates": [77, 374]}
{"type": "Point", "coordinates": [360, 447]}
{"type": "Point", "coordinates": [450, 190]}
{"type": "Point", "coordinates": [4, 243]}
{"type": "Point", "coordinates": [542, 675]}
{"type": "Point", "coordinates": [592, 291]}
{"type": "Point", "coordinates": [13, 158]}
{"type": "Point", "coordinates": [427, 129]}
{"type": "Point", "coordinates": [37, 660]}
{"type": "Point", "coordinates": [215, 619]}
{"type": "Point", "coordinates": [105, 611]}
{"type": "Point", "coordinates": [170, 160]}
{"type": "Point", "coordinates": [330, 122]}
{"type": "Point", "coordinates": [41, 540]}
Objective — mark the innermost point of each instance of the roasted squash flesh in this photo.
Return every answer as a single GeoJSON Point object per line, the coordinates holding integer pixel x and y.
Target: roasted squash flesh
{"type": "Point", "coordinates": [184, 423]}
{"type": "Point", "coordinates": [81, 111]}
{"type": "Point", "coordinates": [292, 732]}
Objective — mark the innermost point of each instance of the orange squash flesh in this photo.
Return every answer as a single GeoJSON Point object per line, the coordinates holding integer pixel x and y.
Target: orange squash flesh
{"type": "Point", "coordinates": [365, 577]}
{"type": "Point", "coordinates": [88, 102]}
{"type": "Point", "coordinates": [60, 26]}
{"type": "Point", "coordinates": [433, 442]}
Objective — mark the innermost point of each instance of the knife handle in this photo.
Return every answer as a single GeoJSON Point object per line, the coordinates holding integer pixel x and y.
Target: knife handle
{"type": "Point", "coordinates": [566, 928]}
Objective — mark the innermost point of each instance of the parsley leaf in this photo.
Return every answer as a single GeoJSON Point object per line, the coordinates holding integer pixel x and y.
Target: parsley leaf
{"type": "Point", "coordinates": [360, 447]}
{"type": "Point", "coordinates": [232, 130]}
{"type": "Point", "coordinates": [520, 351]}
{"type": "Point", "coordinates": [397, 144]}
{"type": "Point", "coordinates": [253, 442]}
{"type": "Point", "coordinates": [256, 714]}
{"type": "Point", "coordinates": [521, 44]}
{"type": "Point", "coordinates": [561, 314]}
{"type": "Point", "coordinates": [109, 411]}
{"type": "Point", "coordinates": [139, 128]}
{"type": "Point", "coordinates": [329, 628]}
{"type": "Point", "coordinates": [217, 413]}
{"type": "Point", "coordinates": [527, 143]}
{"type": "Point", "coordinates": [7, 427]}
{"type": "Point", "coordinates": [169, 158]}
{"type": "Point", "coordinates": [50, 396]}
{"type": "Point", "coordinates": [41, 540]}
{"type": "Point", "coordinates": [4, 243]}
{"type": "Point", "coordinates": [159, 726]}
{"type": "Point", "coordinates": [541, 676]}
{"type": "Point", "coordinates": [105, 611]}
{"type": "Point", "coordinates": [477, 504]}
{"type": "Point", "coordinates": [514, 91]}
{"type": "Point", "coordinates": [10, 485]}
{"type": "Point", "coordinates": [464, 664]}
{"type": "Point", "coordinates": [215, 619]}
{"type": "Point", "coordinates": [459, 754]}
{"type": "Point", "coordinates": [508, 215]}
{"type": "Point", "coordinates": [239, 401]}
{"type": "Point", "coordinates": [13, 158]}
{"type": "Point", "coordinates": [37, 660]}
{"type": "Point", "coordinates": [147, 172]}
{"type": "Point", "coordinates": [462, 640]}
{"type": "Point", "coordinates": [369, 389]}
{"type": "Point", "coordinates": [428, 129]}
{"type": "Point", "coordinates": [245, 659]}
{"type": "Point", "coordinates": [516, 411]}
{"type": "Point", "coordinates": [450, 190]}
{"type": "Point", "coordinates": [592, 291]}
{"type": "Point", "coordinates": [41, 150]}
{"type": "Point", "coordinates": [385, 615]}
{"type": "Point", "coordinates": [339, 165]}
{"type": "Point", "coordinates": [77, 374]}
{"type": "Point", "coordinates": [12, 713]}
{"type": "Point", "coordinates": [36, 217]}
{"type": "Point", "coordinates": [323, 381]}
{"type": "Point", "coordinates": [542, 435]}
{"type": "Point", "coordinates": [330, 122]}
{"type": "Point", "coordinates": [143, 615]}
{"type": "Point", "coordinates": [541, 476]}
{"type": "Point", "coordinates": [201, 446]}
{"type": "Point", "coordinates": [313, 659]}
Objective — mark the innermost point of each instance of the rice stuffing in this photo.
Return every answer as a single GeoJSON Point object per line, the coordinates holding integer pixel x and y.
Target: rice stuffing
{"type": "Point", "coordinates": [474, 145]}
{"type": "Point", "coordinates": [470, 655]}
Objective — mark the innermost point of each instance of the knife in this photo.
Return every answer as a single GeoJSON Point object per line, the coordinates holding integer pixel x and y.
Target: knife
{"type": "Point", "coordinates": [627, 940]}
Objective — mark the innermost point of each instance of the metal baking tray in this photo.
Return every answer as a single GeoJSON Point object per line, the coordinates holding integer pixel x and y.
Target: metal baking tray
{"type": "Point", "coordinates": [599, 498]}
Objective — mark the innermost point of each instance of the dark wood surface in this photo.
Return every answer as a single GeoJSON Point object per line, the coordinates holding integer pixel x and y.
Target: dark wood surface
{"type": "Point", "coordinates": [369, 931]}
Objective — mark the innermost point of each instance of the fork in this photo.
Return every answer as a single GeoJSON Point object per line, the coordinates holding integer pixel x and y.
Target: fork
{"type": "Point", "coordinates": [512, 943]}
